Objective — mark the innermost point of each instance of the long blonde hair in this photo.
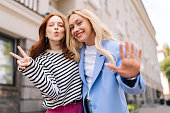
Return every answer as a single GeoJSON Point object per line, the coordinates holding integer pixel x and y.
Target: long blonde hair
{"type": "Point", "coordinates": [102, 33]}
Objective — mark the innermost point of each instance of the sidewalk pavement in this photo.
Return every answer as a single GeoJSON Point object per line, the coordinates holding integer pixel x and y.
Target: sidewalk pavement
{"type": "Point", "coordinates": [155, 108]}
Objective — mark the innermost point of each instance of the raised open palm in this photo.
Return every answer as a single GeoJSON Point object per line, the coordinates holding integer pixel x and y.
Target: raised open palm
{"type": "Point", "coordinates": [130, 66]}
{"type": "Point", "coordinates": [22, 62]}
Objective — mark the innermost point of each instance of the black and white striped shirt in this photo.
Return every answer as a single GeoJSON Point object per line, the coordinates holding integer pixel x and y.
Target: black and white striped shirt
{"type": "Point", "coordinates": [56, 77]}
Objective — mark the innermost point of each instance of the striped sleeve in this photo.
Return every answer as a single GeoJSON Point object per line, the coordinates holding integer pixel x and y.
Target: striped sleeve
{"type": "Point", "coordinates": [37, 74]}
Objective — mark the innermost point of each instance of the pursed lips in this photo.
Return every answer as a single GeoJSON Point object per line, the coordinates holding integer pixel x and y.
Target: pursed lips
{"type": "Point", "coordinates": [56, 32]}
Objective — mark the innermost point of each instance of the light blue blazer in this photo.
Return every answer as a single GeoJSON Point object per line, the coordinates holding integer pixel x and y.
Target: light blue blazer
{"type": "Point", "coordinates": [107, 90]}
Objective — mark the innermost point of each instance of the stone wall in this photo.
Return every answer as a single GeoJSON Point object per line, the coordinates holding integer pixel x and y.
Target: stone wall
{"type": "Point", "coordinates": [9, 99]}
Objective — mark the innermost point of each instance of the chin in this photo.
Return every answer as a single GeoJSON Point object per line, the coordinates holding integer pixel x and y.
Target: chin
{"type": "Point", "coordinates": [81, 39]}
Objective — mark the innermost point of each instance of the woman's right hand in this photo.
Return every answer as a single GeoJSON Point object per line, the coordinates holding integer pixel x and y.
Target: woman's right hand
{"type": "Point", "coordinates": [22, 62]}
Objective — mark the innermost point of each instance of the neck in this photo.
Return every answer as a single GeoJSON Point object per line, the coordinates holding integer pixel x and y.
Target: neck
{"type": "Point", "coordinates": [55, 46]}
{"type": "Point", "coordinates": [91, 42]}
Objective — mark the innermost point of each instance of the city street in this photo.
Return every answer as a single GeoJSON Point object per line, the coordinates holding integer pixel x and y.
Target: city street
{"type": "Point", "coordinates": [156, 108]}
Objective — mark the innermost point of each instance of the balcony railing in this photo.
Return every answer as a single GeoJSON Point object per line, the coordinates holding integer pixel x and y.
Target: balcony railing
{"type": "Point", "coordinates": [34, 6]}
{"type": "Point", "coordinates": [31, 4]}
{"type": "Point", "coordinates": [52, 10]}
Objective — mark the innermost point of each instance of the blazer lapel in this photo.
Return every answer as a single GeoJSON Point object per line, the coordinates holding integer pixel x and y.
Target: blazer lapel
{"type": "Point", "coordinates": [98, 65]}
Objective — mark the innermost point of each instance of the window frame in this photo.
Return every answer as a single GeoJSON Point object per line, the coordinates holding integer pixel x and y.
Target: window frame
{"type": "Point", "coordinates": [14, 43]}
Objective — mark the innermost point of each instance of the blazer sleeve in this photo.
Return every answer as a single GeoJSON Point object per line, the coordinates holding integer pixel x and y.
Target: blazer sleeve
{"type": "Point", "coordinates": [139, 86]}
{"type": "Point", "coordinates": [37, 73]}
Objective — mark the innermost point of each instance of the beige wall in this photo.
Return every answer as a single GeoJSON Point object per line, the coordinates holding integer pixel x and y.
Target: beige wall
{"type": "Point", "coordinates": [19, 21]}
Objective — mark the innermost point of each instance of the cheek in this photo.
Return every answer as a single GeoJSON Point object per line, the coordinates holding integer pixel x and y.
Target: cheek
{"type": "Point", "coordinates": [63, 32]}
{"type": "Point", "coordinates": [72, 33]}
{"type": "Point", "coordinates": [48, 31]}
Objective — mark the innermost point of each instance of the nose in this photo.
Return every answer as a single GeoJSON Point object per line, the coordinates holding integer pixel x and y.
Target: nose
{"type": "Point", "coordinates": [56, 28]}
{"type": "Point", "coordinates": [76, 29]}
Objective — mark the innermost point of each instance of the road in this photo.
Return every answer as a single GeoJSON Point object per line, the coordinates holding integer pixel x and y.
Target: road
{"type": "Point", "coordinates": [155, 108]}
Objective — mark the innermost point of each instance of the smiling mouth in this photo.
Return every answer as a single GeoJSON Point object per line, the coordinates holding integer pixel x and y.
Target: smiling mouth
{"type": "Point", "coordinates": [79, 35]}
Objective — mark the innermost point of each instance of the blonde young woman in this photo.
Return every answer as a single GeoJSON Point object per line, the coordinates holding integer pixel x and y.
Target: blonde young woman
{"type": "Point", "coordinates": [51, 68]}
{"type": "Point", "coordinates": [96, 50]}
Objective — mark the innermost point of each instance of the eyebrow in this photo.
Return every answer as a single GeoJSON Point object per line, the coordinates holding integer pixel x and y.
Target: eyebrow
{"type": "Point", "coordinates": [75, 21]}
{"type": "Point", "coordinates": [57, 22]}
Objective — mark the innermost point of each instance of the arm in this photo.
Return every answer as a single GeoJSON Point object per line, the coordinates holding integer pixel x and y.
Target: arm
{"type": "Point", "coordinates": [36, 72]}
{"type": "Point", "coordinates": [39, 75]}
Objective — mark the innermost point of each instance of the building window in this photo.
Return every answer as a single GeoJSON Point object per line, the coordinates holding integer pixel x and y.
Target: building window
{"type": "Point", "coordinates": [117, 16]}
{"type": "Point", "coordinates": [107, 7]}
{"type": "Point", "coordinates": [126, 27]}
{"type": "Point", "coordinates": [6, 61]}
{"type": "Point", "coordinates": [125, 4]}
{"type": "Point", "coordinates": [31, 4]}
{"type": "Point", "coordinates": [95, 3]}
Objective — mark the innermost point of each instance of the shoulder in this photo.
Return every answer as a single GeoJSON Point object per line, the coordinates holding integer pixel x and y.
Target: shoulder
{"type": "Point", "coordinates": [43, 56]}
{"type": "Point", "coordinates": [111, 45]}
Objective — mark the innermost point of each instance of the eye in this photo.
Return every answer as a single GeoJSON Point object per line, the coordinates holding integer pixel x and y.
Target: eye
{"type": "Point", "coordinates": [61, 25]}
{"type": "Point", "coordinates": [50, 24]}
{"type": "Point", "coordinates": [79, 23]}
{"type": "Point", "coordinates": [71, 28]}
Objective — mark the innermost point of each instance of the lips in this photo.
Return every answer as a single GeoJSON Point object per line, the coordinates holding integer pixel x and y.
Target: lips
{"type": "Point", "coordinates": [56, 33]}
{"type": "Point", "coordinates": [79, 34]}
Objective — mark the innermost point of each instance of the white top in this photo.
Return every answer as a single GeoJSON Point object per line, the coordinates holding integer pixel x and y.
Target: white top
{"type": "Point", "coordinates": [89, 62]}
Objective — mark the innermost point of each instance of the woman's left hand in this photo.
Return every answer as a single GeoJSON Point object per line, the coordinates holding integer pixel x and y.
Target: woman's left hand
{"type": "Point", "coordinates": [130, 65]}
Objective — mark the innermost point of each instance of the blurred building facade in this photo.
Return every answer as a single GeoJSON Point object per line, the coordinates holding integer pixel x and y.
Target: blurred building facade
{"type": "Point", "coordinates": [20, 20]}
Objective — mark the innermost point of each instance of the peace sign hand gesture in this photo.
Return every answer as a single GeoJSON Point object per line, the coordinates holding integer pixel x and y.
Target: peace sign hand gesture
{"type": "Point", "coordinates": [22, 62]}
{"type": "Point", "coordinates": [130, 66]}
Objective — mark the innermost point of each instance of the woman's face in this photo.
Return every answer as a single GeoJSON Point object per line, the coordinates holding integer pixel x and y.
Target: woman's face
{"type": "Point", "coordinates": [55, 30]}
{"type": "Point", "coordinates": [81, 29]}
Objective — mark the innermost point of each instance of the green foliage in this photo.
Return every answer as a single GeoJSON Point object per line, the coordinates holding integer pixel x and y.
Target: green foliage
{"type": "Point", "coordinates": [133, 108]}
{"type": "Point", "coordinates": [165, 67]}
{"type": "Point", "coordinates": [166, 50]}
{"type": "Point", "coordinates": [7, 48]}
{"type": "Point", "coordinates": [168, 73]}
{"type": "Point", "coordinates": [165, 64]}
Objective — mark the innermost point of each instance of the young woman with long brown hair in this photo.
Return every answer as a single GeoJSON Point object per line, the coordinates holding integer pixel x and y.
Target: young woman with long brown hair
{"type": "Point", "coordinates": [51, 68]}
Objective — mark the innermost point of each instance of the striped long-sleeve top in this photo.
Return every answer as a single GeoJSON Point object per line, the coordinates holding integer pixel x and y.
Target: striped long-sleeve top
{"type": "Point", "coordinates": [56, 77]}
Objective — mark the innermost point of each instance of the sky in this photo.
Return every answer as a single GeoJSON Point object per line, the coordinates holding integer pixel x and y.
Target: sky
{"type": "Point", "coordinates": [159, 14]}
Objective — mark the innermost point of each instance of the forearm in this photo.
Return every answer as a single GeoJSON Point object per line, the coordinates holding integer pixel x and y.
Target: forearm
{"type": "Point", "coordinates": [36, 73]}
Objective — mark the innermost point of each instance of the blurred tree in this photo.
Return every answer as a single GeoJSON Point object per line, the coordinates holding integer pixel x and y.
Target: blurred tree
{"type": "Point", "coordinates": [165, 64]}
{"type": "Point", "coordinates": [166, 50]}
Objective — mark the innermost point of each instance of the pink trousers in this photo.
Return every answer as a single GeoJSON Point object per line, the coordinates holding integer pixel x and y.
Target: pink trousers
{"type": "Point", "coordinates": [69, 108]}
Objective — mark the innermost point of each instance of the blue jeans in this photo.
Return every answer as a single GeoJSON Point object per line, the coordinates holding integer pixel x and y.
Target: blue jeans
{"type": "Point", "coordinates": [88, 106]}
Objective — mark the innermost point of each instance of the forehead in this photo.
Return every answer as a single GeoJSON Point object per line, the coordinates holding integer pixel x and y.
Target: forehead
{"type": "Point", "coordinates": [74, 17]}
{"type": "Point", "coordinates": [55, 19]}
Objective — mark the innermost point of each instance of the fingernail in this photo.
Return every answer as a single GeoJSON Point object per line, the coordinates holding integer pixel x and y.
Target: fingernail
{"type": "Point", "coordinates": [105, 63]}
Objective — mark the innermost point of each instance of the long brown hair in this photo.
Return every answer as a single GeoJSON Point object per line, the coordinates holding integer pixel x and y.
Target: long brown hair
{"type": "Point", "coordinates": [43, 44]}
